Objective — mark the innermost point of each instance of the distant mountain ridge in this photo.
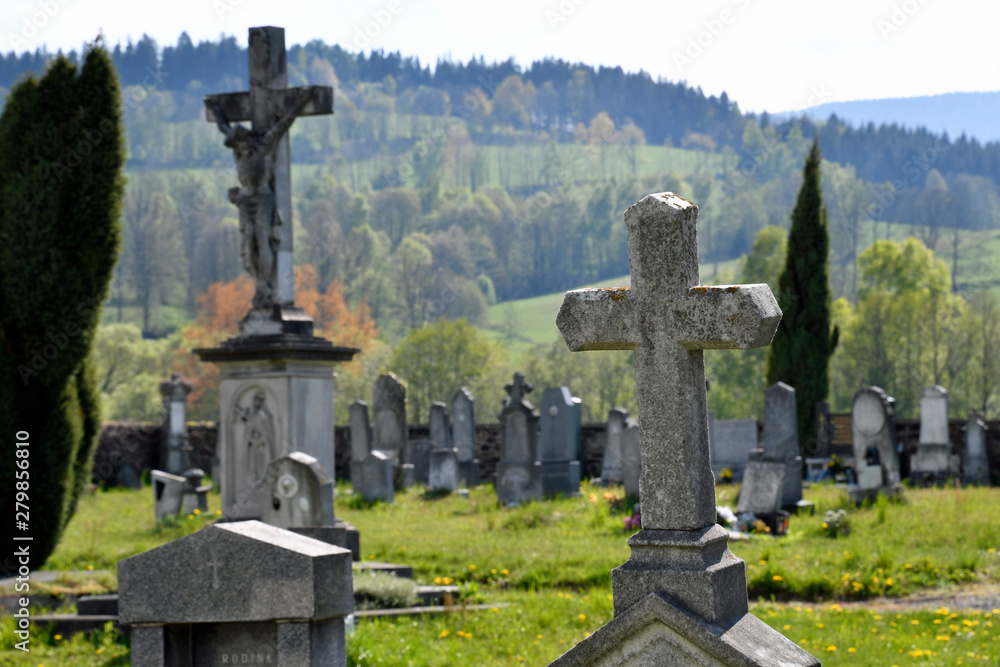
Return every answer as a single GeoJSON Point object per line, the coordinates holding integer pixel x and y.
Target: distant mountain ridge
{"type": "Point", "coordinates": [975, 114]}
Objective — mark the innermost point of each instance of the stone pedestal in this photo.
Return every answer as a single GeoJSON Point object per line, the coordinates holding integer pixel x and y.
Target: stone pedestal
{"type": "Point", "coordinates": [518, 483]}
{"type": "Point", "coordinates": [275, 397]}
{"type": "Point", "coordinates": [469, 472]}
{"type": "Point", "coordinates": [560, 478]}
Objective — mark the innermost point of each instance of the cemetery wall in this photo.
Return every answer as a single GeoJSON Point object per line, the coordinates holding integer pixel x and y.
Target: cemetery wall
{"type": "Point", "coordinates": [139, 444]}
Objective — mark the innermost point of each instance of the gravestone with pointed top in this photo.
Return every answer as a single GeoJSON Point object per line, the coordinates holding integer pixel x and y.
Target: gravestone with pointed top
{"type": "Point", "coordinates": [519, 476]}
{"type": "Point", "coordinates": [443, 473]}
{"type": "Point", "coordinates": [611, 464]}
{"type": "Point", "coordinates": [976, 464]}
{"type": "Point", "coordinates": [682, 594]}
{"type": "Point", "coordinates": [361, 440]}
{"type": "Point", "coordinates": [932, 461]}
{"type": "Point", "coordinates": [463, 436]}
{"type": "Point", "coordinates": [389, 432]}
{"type": "Point", "coordinates": [237, 593]}
{"type": "Point", "coordinates": [276, 378]}
{"type": "Point", "coordinates": [873, 438]}
{"type": "Point", "coordinates": [559, 418]}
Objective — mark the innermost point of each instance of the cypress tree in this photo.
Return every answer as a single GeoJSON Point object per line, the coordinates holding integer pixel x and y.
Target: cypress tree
{"type": "Point", "coordinates": [803, 344]}
{"type": "Point", "coordinates": [62, 151]}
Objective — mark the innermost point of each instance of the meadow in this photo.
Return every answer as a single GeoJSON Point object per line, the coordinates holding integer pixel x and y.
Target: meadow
{"type": "Point", "coordinates": [883, 591]}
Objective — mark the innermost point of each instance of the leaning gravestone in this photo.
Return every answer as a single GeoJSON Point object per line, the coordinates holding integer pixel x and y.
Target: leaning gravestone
{"type": "Point", "coordinates": [361, 440]}
{"type": "Point", "coordinates": [389, 433]}
{"type": "Point", "coordinates": [377, 478]}
{"type": "Point", "coordinates": [932, 461]}
{"type": "Point", "coordinates": [611, 464]}
{"type": "Point", "coordinates": [298, 496]}
{"type": "Point", "coordinates": [976, 465]}
{"type": "Point", "coordinates": [631, 459]}
{"type": "Point", "coordinates": [681, 599]}
{"type": "Point", "coordinates": [731, 441]}
{"type": "Point", "coordinates": [168, 493]}
{"type": "Point", "coordinates": [519, 475]}
{"type": "Point", "coordinates": [560, 442]}
{"type": "Point", "coordinates": [237, 593]}
{"type": "Point", "coordinates": [873, 436]}
{"type": "Point", "coordinates": [780, 440]}
{"type": "Point", "coordinates": [463, 435]}
{"type": "Point", "coordinates": [443, 472]}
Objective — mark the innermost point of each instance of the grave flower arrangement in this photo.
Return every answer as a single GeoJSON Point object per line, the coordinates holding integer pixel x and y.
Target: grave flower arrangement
{"type": "Point", "coordinates": [835, 523]}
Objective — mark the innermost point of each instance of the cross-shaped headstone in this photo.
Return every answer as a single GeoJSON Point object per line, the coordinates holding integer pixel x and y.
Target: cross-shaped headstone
{"type": "Point", "coordinates": [518, 389]}
{"type": "Point", "coordinates": [668, 319]}
{"type": "Point", "coordinates": [269, 105]}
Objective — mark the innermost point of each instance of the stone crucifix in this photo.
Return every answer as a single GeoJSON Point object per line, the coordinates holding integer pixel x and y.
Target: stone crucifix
{"type": "Point", "coordinates": [264, 198]}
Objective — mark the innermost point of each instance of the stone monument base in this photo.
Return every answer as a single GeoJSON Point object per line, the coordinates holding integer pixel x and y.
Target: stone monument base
{"type": "Point", "coordinates": [518, 483]}
{"type": "Point", "coordinates": [469, 473]}
{"type": "Point", "coordinates": [560, 478]}
{"type": "Point", "coordinates": [976, 470]}
{"type": "Point", "coordinates": [657, 631]}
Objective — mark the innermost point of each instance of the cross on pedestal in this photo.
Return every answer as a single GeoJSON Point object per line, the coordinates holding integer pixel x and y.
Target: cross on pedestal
{"type": "Point", "coordinates": [668, 319]}
{"type": "Point", "coordinates": [518, 389]}
{"type": "Point", "coordinates": [270, 106]}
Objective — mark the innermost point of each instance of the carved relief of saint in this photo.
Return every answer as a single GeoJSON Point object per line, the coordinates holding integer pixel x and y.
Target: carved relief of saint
{"type": "Point", "coordinates": [259, 436]}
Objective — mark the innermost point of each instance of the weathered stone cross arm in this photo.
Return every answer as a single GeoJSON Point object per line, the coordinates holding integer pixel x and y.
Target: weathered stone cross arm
{"type": "Point", "coordinates": [237, 106]}
{"type": "Point", "coordinates": [708, 317]}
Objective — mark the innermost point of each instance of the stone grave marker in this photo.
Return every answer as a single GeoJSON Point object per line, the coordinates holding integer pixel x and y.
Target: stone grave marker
{"type": "Point", "coordinates": [174, 393]}
{"type": "Point", "coordinates": [195, 494]}
{"type": "Point", "coordinates": [237, 593]}
{"type": "Point", "coordinates": [611, 463]}
{"type": "Point", "coordinates": [361, 440]}
{"type": "Point", "coordinates": [298, 496]}
{"type": "Point", "coordinates": [168, 493]}
{"type": "Point", "coordinates": [444, 470]}
{"type": "Point", "coordinates": [389, 432]}
{"type": "Point", "coordinates": [559, 442]}
{"type": "Point", "coordinates": [377, 477]}
{"type": "Point", "coordinates": [519, 476]}
{"type": "Point", "coordinates": [932, 461]}
{"type": "Point", "coordinates": [763, 484]}
{"type": "Point", "coordinates": [780, 440]}
{"type": "Point", "coordinates": [873, 435]}
{"type": "Point", "coordinates": [681, 598]}
{"type": "Point", "coordinates": [631, 460]}
{"type": "Point", "coordinates": [420, 457]}
{"type": "Point", "coordinates": [976, 464]}
{"type": "Point", "coordinates": [463, 435]}
{"type": "Point", "coordinates": [731, 442]}
{"type": "Point", "coordinates": [440, 425]}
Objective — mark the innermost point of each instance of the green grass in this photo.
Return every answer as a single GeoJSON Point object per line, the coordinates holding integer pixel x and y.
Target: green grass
{"type": "Point", "coordinates": [545, 569]}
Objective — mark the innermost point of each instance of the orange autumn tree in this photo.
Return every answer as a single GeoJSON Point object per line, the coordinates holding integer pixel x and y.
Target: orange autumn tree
{"type": "Point", "coordinates": [223, 305]}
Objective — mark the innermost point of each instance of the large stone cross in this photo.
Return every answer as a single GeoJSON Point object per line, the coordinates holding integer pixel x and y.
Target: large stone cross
{"type": "Point", "coordinates": [668, 319]}
{"type": "Point", "coordinates": [270, 106]}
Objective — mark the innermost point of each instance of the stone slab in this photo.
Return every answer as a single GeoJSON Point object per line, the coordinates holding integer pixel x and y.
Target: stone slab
{"type": "Point", "coordinates": [763, 483]}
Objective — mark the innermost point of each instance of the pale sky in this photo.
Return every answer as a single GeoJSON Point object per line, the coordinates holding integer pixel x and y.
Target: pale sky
{"type": "Point", "coordinates": [773, 55]}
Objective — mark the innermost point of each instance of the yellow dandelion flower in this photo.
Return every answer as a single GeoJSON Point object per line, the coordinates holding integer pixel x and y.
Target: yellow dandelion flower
{"type": "Point", "coordinates": [943, 638]}
{"type": "Point", "coordinates": [493, 571]}
{"type": "Point", "coordinates": [777, 577]}
{"type": "Point", "coordinates": [831, 648]}
{"type": "Point", "coordinates": [90, 567]}
{"type": "Point", "coordinates": [444, 633]}
{"type": "Point", "coordinates": [582, 617]}
{"type": "Point", "coordinates": [786, 627]}
{"type": "Point", "coordinates": [218, 512]}
{"type": "Point", "coordinates": [851, 649]}
{"type": "Point", "coordinates": [820, 626]}
{"type": "Point", "coordinates": [472, 567]}
{"type": "Point", "coordinates": [197, 511]}
{"type": "Point", "coordinates": [57, 637]}
{"type": "Point", "coordinates": [914, 622]}
{"type": "Point", "coordinates": [825, 525]}
{"type": "Point", "coordinates": [504, 571]}
{"type": "Point", "coordinates": [494, 610]}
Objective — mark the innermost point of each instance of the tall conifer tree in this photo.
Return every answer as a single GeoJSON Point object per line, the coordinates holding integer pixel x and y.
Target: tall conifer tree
{"type": "Point", "coordinates": [62, 151]}
{"type": "Point", "coordinates": [803, 344]}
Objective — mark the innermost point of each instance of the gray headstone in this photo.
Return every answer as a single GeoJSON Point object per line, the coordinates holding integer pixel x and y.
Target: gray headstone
{"type": "Point", "coordinates": [681, 582]}
{"type": "Point", "coordinates": [420, 457]}
{"type": "Point", "coordinates": [976, 464]}
{"type": "Point", "coordinates": [780, 439]}
{"type": "Point", "coordinates": [174, 393]}
{"type": "Point", "coordinates": [560, 425]}
{"type": "Point", "coordinates": [298, 493]}
{"type": "Point", "coordinates": [873, 426]}
{"type": "Point", "coordinates": [361, 432]}
{"type": "Point", "coordinates": [631, 458]}
{"type": "Point", "coordinates": [463, 424]}
{"type": "Point", "coordinates": [731, 442]}
{"type": "Point", "coordinates": [237, 593]}
{"type": "Point", "coordinates": [440, 426]}
{"type": "Point", "coordinates": [519, 476]}
{"type": "Point", "coordinates": [932, 460]}
{"type": "Point", "coordinates": [444, 470]}
{"type": "Point", "coordinates": [611, 464]}
{"type": "Point", "coordinates": [168, 493]}
{"type": "Point", "coordinates": [377, 477]}
{"type": "Point", "coordinates": [389, 432]}
{"type": "Point", "coordinates": [763, 482]}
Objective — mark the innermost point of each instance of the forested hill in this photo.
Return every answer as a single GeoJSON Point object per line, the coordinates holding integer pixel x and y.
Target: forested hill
{"type": "Point", "coordinates": [557, 96]}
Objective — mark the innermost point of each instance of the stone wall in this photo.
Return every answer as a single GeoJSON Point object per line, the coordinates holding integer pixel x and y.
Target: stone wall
{"type": "Point", "coordinates": [139, 444]}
